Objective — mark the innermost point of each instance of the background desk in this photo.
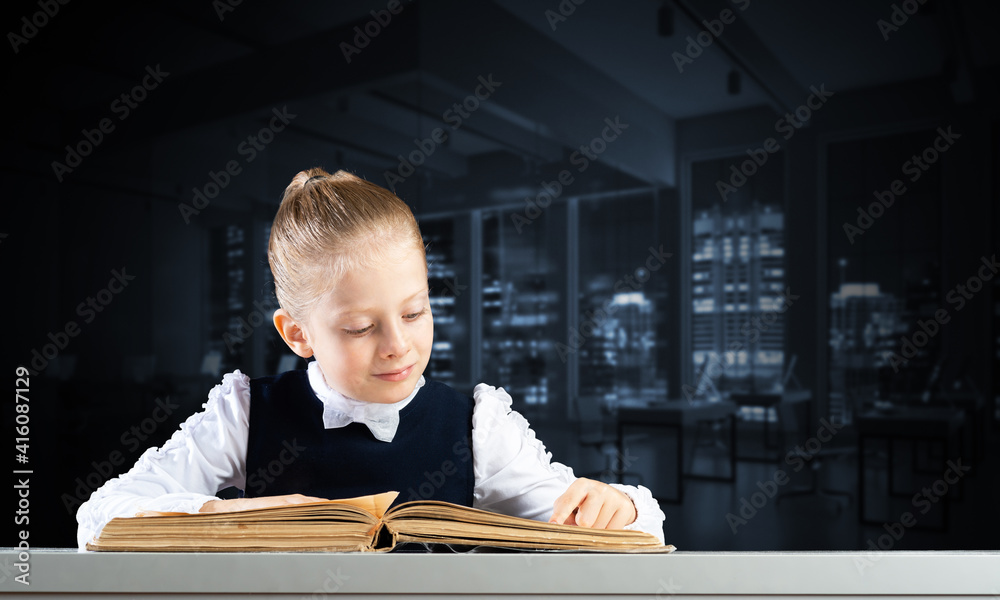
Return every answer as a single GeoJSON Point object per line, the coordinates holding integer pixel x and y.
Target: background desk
{"type": "Point", "coordinates": [768, 400]}
{"type": "Point", "coordinates": [681, 575]}
{"type": "Point", "coordinates": [917, 424]}
{"type": "Point", "coordinates": [678, 414]}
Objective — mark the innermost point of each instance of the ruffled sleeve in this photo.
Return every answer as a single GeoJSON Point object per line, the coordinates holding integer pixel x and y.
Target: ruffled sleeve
{"type": "Point", "coordinates": [206, 454]}
{"type": "Point", "coordinates": [515, 475]}
{"type": "Point", "coordinates": [648, 515]}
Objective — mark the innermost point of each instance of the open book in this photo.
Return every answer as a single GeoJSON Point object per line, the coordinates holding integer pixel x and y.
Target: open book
{"type": "Point", "coordinates": [361, 524]}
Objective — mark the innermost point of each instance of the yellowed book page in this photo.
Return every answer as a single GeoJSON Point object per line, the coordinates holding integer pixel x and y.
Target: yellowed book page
{"type": "Point", "coordinates": [352, 530]}
{"type": "Point", "coordinates": [433, 511]}
{"type": "Point", "coordinates": [458, 524]}
{"type": "Point", "coordinates": [657, 548]}
{"type": "Point", "coordinates": [176, 543]}
{"type": "Point", "coordinates": [376, 505]}
{"type": "Point", "coordinates": [561, 534]}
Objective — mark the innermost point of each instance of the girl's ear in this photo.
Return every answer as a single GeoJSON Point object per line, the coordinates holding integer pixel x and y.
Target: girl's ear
{"type": "Point", "coordinates": [292, 332]}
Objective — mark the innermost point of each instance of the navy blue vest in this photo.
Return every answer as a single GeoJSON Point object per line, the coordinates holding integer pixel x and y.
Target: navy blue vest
{"type": "Point", "coordinates": [290, 452]}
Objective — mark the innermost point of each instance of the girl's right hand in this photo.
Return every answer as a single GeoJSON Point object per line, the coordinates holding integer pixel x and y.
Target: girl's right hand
{"type": "Point", "coordinates": [221, 506]}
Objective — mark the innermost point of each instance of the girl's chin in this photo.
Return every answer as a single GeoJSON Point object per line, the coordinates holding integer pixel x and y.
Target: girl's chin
{"type": "Point", "coordinates": [389, 392]}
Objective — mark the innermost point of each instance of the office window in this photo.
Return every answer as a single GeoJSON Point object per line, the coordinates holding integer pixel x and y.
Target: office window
{"type": "Point", "coordinates": [737, 278]}
{"type": "Point", "coordinates": [996, 280]}
{"type": "Point", "coordinates": [883, 272]}
{"type": "Point", "coordinates": [523, 305]}
{"type": "Point", "coordinates": [446, 241]}
{"type": "Point", "coordinates": [228, 291]}
{"type": "Point", "coordinates": [622, 300]}
{"type": "Point", "coordinates": [241, 302]}
{"type": "Point", "coordinates": [276, 356]}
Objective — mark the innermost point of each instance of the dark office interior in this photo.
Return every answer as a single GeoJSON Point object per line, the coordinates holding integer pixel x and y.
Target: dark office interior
{"type": "Point", "coordinates": [742, 252]}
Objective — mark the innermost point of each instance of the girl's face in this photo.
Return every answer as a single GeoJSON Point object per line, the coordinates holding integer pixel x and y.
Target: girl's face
{"type": "Point", "coordinates": [372, 334]}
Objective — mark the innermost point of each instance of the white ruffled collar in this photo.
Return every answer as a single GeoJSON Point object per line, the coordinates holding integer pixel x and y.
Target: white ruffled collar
{"type": "Point", "coordinates": [339, 410]}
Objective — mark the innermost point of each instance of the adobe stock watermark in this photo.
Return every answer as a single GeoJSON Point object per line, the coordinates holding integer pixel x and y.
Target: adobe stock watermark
{"type": "Point", "coordinates": [248, 148]}
{"type": "Point", "coordinates": [594, 320]}
{"type": "Point", "coordinates": [668, 589]}
{"type": "Point", "coordinates": [455, 117]}
{"type": "Point", "coordinates": [363, 35]}
{"type": "Point", "coordinates": [6, 569]}
{"type": "Point", "coordinates": [259, 479]}
{"type": "Point", "coordinates": [331, 585]}
{"type": "Point", "coordinates": [563, 11]}
{"type": "Point", "coordinates": [121, 107]}
{"type": "Point", "coordinates": [31, 25]}
{"type": "Point", "coordinates": [453, 287]}
{"type": "Point", "coordinates": [581, 159]}
{"type": "Point", "coordinates": [786, 127]}
{"type": "Point", "coordinates": [922, 500]}
{"type": "Point", "coordinates": [247, 326]}
{"type": "Point", "coordinates": [22, 487]}
{"type": "Point", "coordinates": [751, 329]}
{"type": "Point", "coordinates": [87, 310]}
{"type": "Point", "coordinates": [930, 327]}
{"type": "Point", "coordinates": [899, 16]}
{"type": "Point", "coordinates": [914, 167]}
{"type": "Point", "coordinates": [132, 439]}
{"type": "Point", "coordinates": [435, 480]}
{"type": "Point", "coordinates": [223, 7]}
{"type": "Point", "coordinates": [796, 459]}
{"type": "Point", "coordinates": [623, 461]}
{"type": "Point", "coordinates": [713, 30]}
{"type": "Point", "coordinates": [22, 516]}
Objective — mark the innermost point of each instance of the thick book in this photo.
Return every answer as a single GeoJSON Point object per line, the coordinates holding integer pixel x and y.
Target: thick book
{"type": "Point", "coordinates": [364, 524]}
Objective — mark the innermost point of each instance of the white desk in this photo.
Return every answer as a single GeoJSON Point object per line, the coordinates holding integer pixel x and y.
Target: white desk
{"type": "Point", "coordinates": [683, 575]}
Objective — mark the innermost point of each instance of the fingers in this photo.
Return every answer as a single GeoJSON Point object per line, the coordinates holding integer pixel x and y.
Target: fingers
{"type": "Point", "coordinates": [593, 504]}
{"type": "Point", "coordinates": [565, 505]}
{"type": "Point", "coordinates": [623, 516]}
{"type": "Point", "coordinates": [300, 499]}
{"type": "Point", "coordinates": [238, 504]}
{"type": "Point", "coordinates": [599, 508]}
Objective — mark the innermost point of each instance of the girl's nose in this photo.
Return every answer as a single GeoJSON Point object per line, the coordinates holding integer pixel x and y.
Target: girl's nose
{"type": "Point", "coordinates": [394, 342]}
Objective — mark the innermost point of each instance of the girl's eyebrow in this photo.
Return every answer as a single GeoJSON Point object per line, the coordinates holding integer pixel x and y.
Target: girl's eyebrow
{"type": "Point", "coordinates": [351, 311]}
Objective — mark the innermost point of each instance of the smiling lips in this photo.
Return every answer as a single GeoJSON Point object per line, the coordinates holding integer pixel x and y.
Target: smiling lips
{"type": "Point", "coordinates": [396, 375]}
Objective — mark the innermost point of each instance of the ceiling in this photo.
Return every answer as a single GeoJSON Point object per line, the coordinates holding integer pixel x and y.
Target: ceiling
{"type": "Point", "coordinates": [558, 84]}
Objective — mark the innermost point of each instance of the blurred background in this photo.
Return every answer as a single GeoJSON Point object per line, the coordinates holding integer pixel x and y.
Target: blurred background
{"type": "Point", "coordinates": [742, 252]}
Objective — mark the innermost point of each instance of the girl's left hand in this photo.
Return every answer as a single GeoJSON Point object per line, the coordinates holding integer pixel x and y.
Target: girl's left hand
{"type": "Point", "coordinates": [593, 504]}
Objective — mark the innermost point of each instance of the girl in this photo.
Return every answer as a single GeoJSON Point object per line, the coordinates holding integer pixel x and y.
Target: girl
{"type": "Point", "coordinates": [350, 275]}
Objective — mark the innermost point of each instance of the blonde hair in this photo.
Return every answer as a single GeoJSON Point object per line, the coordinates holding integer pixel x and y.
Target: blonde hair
{"type": "Point", "coordinates": [328, 225]}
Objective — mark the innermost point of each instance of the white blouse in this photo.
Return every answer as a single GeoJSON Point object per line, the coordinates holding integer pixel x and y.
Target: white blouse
{"type": "Point", "coordinates": [514, 474]}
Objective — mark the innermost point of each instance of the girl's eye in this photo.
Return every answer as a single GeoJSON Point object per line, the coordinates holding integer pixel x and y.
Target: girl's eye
{"type": "Point", "coordinates": [364, 330]}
